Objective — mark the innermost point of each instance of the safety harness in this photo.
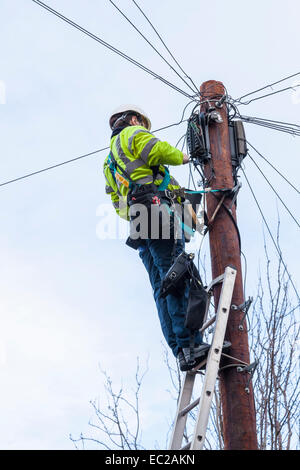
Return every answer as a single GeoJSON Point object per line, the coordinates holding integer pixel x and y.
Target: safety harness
{"type": "Point", "coordinates": [119, 174]}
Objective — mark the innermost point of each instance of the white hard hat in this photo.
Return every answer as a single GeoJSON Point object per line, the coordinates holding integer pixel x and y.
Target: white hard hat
{"type": "Point", "coordinates": [125, 108]}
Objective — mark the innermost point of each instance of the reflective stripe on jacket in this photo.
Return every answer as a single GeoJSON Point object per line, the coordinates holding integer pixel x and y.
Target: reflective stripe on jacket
{"type": "Point", "coordinates": [136, 150]}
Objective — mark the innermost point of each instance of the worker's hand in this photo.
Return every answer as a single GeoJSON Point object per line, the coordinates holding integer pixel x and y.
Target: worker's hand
{"type": "Point", "coordinates": [186, 159]}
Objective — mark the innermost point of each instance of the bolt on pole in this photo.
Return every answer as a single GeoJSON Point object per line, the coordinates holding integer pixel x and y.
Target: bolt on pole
{"type": "Point", "coordinates": [237, 398]}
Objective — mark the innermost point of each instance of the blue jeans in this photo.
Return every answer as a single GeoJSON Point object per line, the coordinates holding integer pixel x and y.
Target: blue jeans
{"type": "Point", "coordinates": [157, 258]}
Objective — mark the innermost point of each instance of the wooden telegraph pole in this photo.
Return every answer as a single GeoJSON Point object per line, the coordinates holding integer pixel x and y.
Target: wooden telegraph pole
{"type": "Point", "coordinates": [237, 397]}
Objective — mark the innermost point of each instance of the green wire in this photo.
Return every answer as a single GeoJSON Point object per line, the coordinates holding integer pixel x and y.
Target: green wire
{"type": "Point", "coordinates": [201, 192]}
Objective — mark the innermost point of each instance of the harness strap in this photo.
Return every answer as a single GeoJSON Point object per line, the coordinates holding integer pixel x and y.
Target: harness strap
{"type": "Point", "coordinates": [165, 182]}
{"type": "Point", "coordinates": [125, 178]}
{"type": "Point", "coordinates": [113, 166]}
{"type": "Point", "coordinates": [186, 228]}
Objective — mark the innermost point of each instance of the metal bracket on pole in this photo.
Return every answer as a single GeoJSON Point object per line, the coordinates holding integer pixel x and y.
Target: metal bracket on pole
{"type": "Point", "coordinates": [235, 192]}
{"type": "Point", "coordinates": [243, 308]}
{"type": "Point", "coordinates": [250, 369]}
{"type": "Point", "coordinates": [219, 104]}
{"type": "Point", "coordinates": [215, 116]}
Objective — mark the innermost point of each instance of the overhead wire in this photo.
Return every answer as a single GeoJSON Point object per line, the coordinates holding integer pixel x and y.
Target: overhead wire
{"type": "Point", "coordinates": [191, 178]}
{"type": "Point", "coordinates": [273, 189]}
{"type": "Point", "coordinates": [245, 273]}
{"type": "Point", "coordinates": [270, 233]}
{"type": "Point", "coordinates": [53, 166]}
{"type": "Point", "coordinates": [183, 137]}
{"type": "Point", "coordinates": [281, 126]}
{"type": "Point", "coordinates": [165, 45]}
{"type": "Point", "coordinates": [270, 85]}
{"type": "Point", "coordinates": [289, 128]}
{"type": "Point", "coordinates": [269, 94]}
{"type": "Point", "coordinates": [153, 47]}
{"type": "Point", "coordinates": [79, 157]}
{"type": "Point", "coordinates": [272, 166]}
{"type": "Point", "coordinates": [112, 48]}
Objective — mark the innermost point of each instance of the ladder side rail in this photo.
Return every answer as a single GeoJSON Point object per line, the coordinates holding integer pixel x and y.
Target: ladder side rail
{"type": "Point", "coordinates": [183, 402]}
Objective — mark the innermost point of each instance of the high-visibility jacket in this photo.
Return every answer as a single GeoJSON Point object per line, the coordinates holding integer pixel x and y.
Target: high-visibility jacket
{"type": "Point", "coordinates": [136, 150]}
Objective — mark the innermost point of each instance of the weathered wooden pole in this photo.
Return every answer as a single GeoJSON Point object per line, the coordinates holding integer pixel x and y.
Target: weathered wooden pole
{"type": "Point", "coordinates": [238, 409]}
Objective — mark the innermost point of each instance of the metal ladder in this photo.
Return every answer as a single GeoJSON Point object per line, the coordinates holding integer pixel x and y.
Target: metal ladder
{"type": "Point", "coordinates": [212, 368]}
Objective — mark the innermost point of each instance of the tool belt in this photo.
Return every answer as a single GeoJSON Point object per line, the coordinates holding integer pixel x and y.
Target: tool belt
{"type": "Point", "coordinates": [157, 214]}
{"type": "Point", "coordinates": [150, 213]}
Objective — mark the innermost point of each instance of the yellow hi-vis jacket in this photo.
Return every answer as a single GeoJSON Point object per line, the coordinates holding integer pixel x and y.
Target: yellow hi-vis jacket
{"type": "Point", "coordinates": [136, 150]}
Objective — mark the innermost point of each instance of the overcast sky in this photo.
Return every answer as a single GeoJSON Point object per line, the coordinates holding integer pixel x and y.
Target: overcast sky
{"type": "Point", "coordinates": [70, 300]}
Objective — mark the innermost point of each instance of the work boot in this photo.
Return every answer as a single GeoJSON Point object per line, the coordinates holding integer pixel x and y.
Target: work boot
{"type": "Point", "coordinates": [183, 365]}
{"type": "Point", "coordinates": [183, 356]}
{"type": "Point", "coordinates": [199, 354]}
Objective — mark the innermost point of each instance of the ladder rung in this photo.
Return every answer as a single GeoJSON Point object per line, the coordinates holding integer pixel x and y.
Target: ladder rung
{"type": "Point", "coordinates": [187, 446]}
{"type": "Point", "coordinates": [188, 408]}
{"type": "Point", "coordinates": [199, 366]}
{"type": "Point", "coordinates": [208, 323]}
{"type": "Point", "coordinates": [215, 281]}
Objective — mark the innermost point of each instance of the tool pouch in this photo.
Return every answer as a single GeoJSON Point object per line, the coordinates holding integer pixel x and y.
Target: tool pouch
{"type": "Point", "coordinates": [175, 280]}
{"type": "Point", "coordinates": [197, 304]}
